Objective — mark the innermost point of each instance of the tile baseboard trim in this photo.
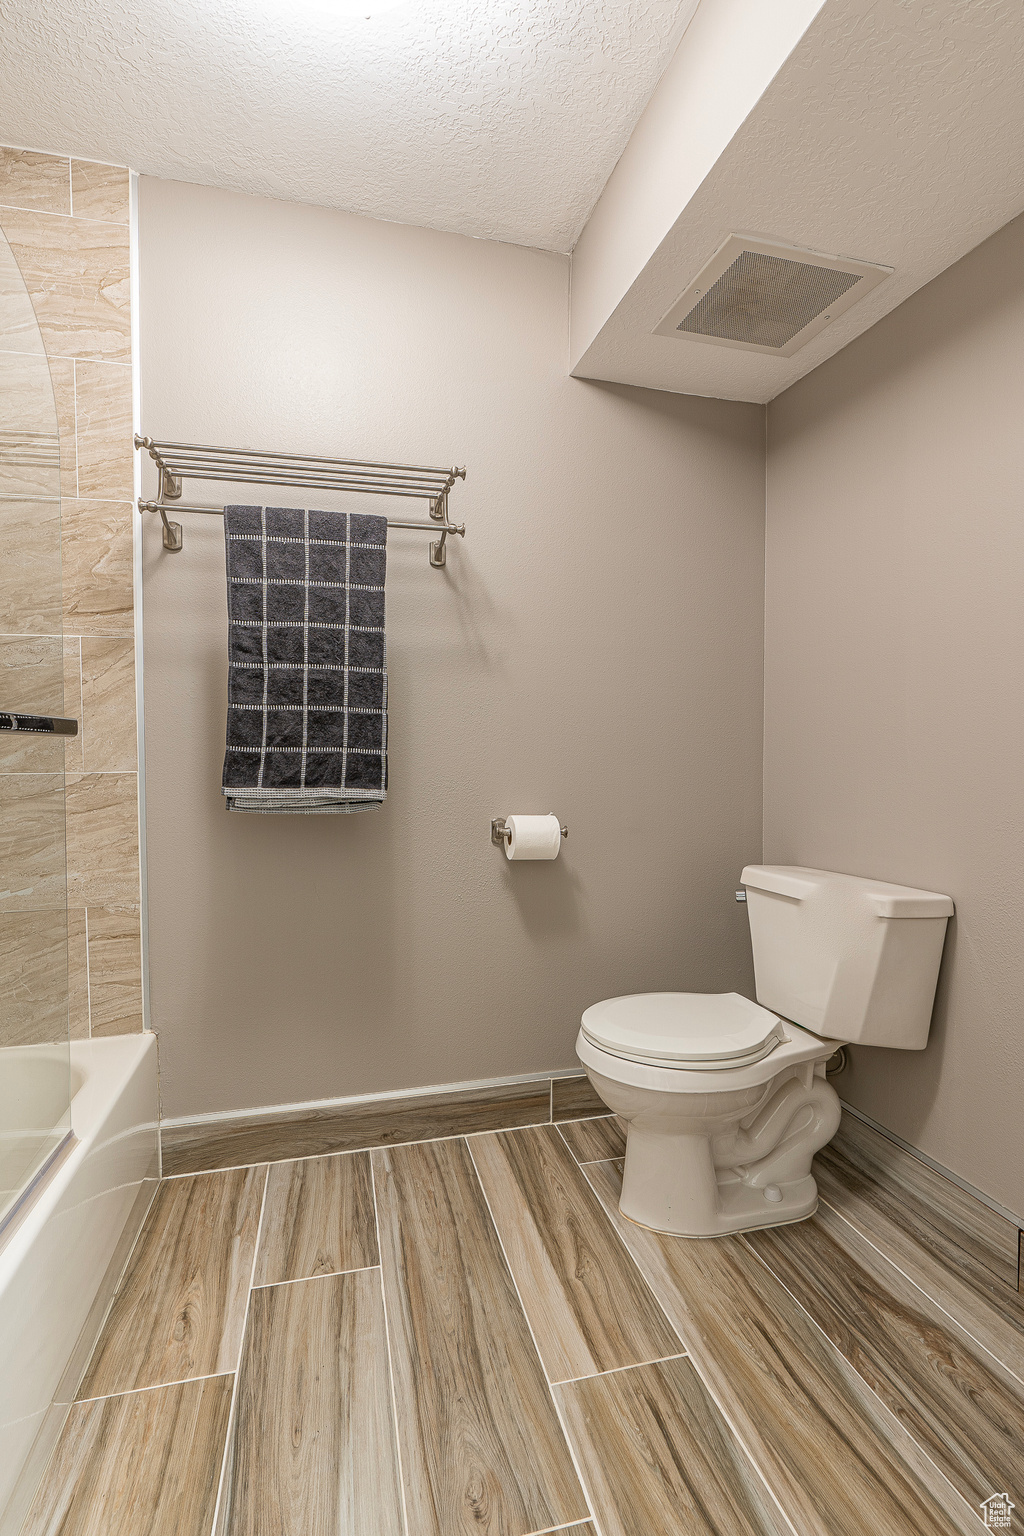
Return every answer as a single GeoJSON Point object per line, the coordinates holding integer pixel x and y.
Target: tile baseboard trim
{"type": "Point", "coordinates": [295, 1132]}
{"type": "Point", "coordinates": [946, 1173]}
{"type": "Point", "coordinates": [355, 1101]}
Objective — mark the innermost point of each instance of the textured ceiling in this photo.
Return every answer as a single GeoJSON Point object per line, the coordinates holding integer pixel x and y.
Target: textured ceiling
{"type": "Point", "coordinates": [500, 118]}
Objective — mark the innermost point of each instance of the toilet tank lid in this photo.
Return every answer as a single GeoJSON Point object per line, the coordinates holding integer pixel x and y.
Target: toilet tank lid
{"type": "Point", "coordinates": [683, 1026]}
{"type": "Point", "coordinates": [883, 899]}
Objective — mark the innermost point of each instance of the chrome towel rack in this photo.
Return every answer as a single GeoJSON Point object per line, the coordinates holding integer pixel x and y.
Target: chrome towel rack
{"type": "Point", "coordinates": [177, 462]}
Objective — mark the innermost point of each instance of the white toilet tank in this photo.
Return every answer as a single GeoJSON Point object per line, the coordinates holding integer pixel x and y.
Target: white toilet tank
{"type": "Point", "coordinates": [851, 959]}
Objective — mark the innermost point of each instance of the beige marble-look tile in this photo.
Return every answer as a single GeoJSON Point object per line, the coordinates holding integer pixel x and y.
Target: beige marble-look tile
{"type": "Point", "coordinates": [103, 839]}
{"type": "Point", "coordinates": [18, 325]}
{"type": "Point", "coordinates": [74, 746]}
{"type": "Point", "coordinates": [78, 974]}
{"type": "Point", "coordinates": [99, 191]}
{"type": "Point", "coordinates": [115, 970]}
{"type": "Point", "coordinates": [572, 1097]}
{"type": "Point", "coordinates": [143, 1462]}
{"type": "Point", "coordinates": [179, 1310]}
{"type": "Point", "coordinates": [32, 858]}
{"type": "Point", "coordinates": [27, 391]}
{"type": "Point", "coordinates": [103, 407]}
{"type": "Point", "coordinates": [28, 180]}
{"type": "Point", "coordinates": [108, 704]}
{"type": "Point", "coordinates": [76, 272]}
{"type": "Point", "coordinates": [30, 681]}
{"type": "Point", "coordinates": [62, 377]}
{"type": "Point", "coordinates": [29, 463]}
{"type": "Point", "coordinates": [96, 540]}
{"type": "Point", "coordinates": [30, 567]}
{"type": "Point", "coordinates": [33, 978]}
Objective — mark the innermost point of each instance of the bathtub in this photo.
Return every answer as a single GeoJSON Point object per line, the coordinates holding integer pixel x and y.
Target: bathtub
{"type": "Point", "coordinates": [62, 1253]}
{"type": "Point", "coordinates": [36, 1083]}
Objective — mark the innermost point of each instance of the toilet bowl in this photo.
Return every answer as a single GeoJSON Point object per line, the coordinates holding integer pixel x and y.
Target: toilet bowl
{"type": "Point", "coordinates": [711, 1149]}
{"type": "Point", "coordinates": [725, 1100]}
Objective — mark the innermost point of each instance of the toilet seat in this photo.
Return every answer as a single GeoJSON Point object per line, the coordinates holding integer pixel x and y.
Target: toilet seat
{"type": "Point", "coordinates": [694, 1031]}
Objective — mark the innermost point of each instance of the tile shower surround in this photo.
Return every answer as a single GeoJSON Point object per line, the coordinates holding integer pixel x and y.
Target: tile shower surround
{"type": "Point", "coordinates": [464, 1335]}
{"type": "Point", "coordinates": [67, 224]}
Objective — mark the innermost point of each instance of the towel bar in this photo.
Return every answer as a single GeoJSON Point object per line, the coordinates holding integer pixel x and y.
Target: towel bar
{"type": "Point", "coordinates": [241, 466]}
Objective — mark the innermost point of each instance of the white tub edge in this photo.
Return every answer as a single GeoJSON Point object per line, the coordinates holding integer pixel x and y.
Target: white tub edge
{"type": "Point", "coordinates": [63, 1256]}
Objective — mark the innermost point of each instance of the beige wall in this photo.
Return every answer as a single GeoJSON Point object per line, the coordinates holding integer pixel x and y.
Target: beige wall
{"type": "Point", "coordinates": [594, 648]}
{"type": "Point", "coordinates": [67, 225]}
{"type": "Point", "coordinates": [895, 675]}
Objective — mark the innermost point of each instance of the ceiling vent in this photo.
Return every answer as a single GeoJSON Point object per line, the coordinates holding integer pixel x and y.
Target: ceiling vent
{"type": "Point", "coordinates": [761, 296]}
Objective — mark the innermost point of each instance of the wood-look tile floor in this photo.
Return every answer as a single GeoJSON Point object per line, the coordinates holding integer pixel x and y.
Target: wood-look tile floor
{"type": "Point", "coordinates": [463, 1337]}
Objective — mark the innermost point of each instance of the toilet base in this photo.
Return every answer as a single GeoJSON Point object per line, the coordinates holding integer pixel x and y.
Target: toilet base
{"type": "Point", "coordinates": [738, 1207]}
{"type": "Point", "coordinates": [713, 1153]}
{"type": "Point", "coordinates": [753, 1226]}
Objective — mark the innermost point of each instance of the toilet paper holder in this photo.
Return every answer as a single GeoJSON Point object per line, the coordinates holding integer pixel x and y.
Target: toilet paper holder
{"type": "Point", "coordinates": [500, 835]}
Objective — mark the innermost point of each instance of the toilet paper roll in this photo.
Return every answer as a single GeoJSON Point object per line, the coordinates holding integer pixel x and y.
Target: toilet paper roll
{"type": "Point", "coordinates": [532, 837]}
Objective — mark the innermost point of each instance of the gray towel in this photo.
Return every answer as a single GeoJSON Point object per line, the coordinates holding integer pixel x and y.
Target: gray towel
{"type": "Point", "coordinates": [307, 676]}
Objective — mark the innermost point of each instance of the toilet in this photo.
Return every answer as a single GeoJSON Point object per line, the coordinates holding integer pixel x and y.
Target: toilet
{"type": "Point", "coordinates": [725, 1100]}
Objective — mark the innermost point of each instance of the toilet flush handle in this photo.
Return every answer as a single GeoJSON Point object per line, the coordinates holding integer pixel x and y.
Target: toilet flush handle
{"type": "Point", "coordinates": [741, 895]}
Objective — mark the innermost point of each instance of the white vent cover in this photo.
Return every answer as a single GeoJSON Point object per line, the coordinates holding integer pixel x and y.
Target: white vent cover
{"type": "Point", "coordinates": [761, 296]}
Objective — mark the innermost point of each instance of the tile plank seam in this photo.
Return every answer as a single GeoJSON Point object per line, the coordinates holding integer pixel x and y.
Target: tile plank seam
{"type": "Point", "coordinates": [580, 1161]}
{"type": "Point", "coordinates": [712, 1394]}
{"type": "Point", "coordinates": [936, 1300]}
{"type": "Point", "coordinates": [232, 1407]}
{"type": "Point", "coordinates": [327, 1274]}
{"type": "Point", "coordinates": [387, 1344]}
{"type": "Point", "coordinates": [616, 1370]}
{"type": "Point", "coordinates": [887, 1413]}
{"type": "Point", "coordinates": [551, 1391]}
{"type": "Point", "coordinates": [158, 1386]}
{"type": "Point", "coordinates": [556, 1530]}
